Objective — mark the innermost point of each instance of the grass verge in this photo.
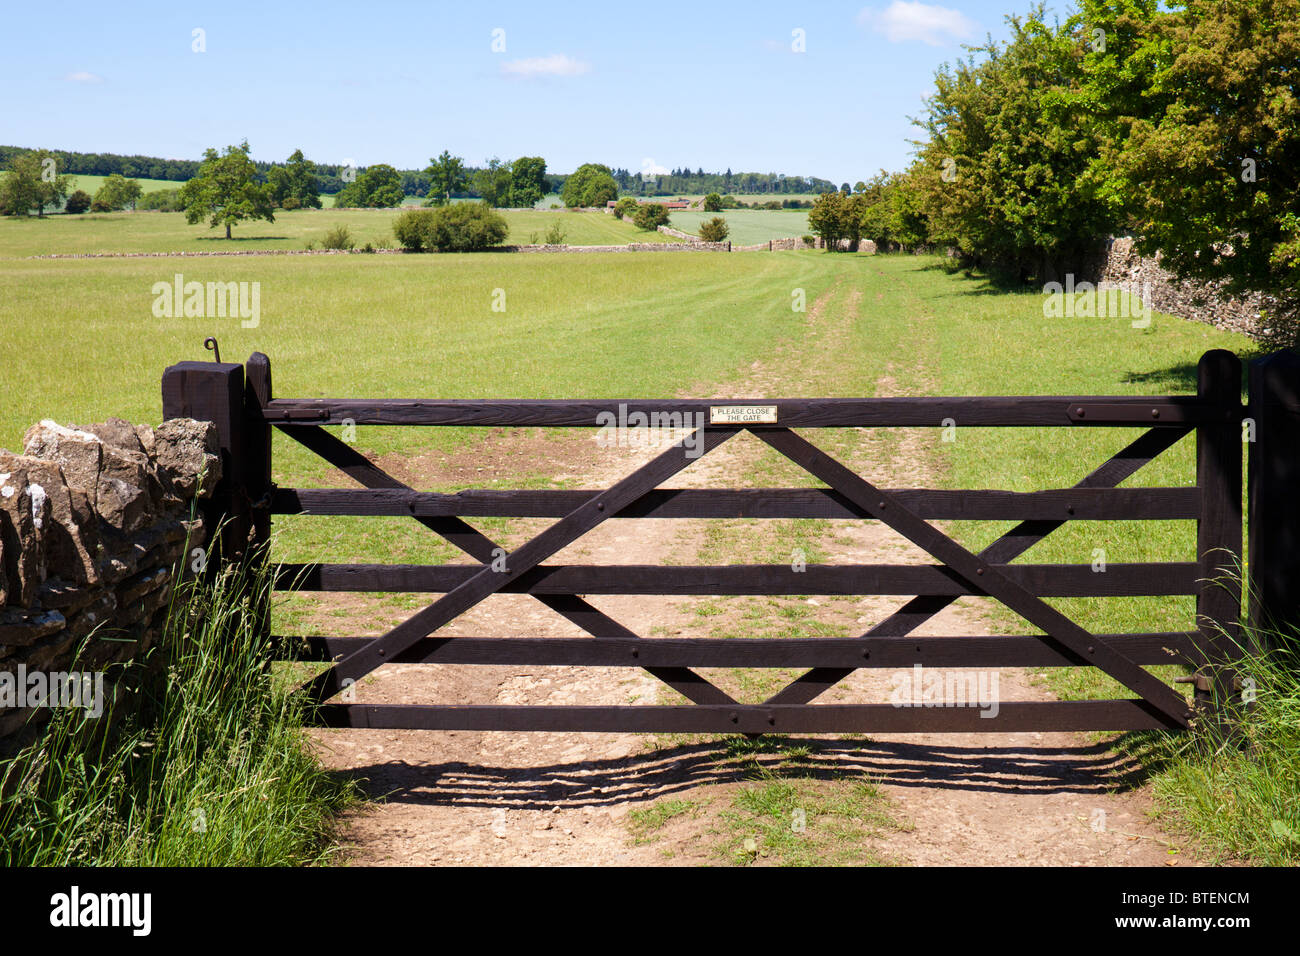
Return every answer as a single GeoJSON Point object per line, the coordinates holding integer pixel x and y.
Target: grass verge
{"type": "Point", "coordinates": [205, 766]}
{"type": "Point", "coordinates": [1238, 800]}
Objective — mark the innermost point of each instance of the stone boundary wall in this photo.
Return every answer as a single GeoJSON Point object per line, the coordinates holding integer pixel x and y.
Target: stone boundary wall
{"type": "Point", "coordinates": [698, 246]}
{"type": "Point", "coordinates": [689, 243]}
{"type": "Point", "coordinates": [796, 242]}
{"type": "Point", "coordinates": [677, 233]}
{"type": "Point", "coordinates": [1254, 315]}
{"type": "Point", "coordinates": [94, 526]}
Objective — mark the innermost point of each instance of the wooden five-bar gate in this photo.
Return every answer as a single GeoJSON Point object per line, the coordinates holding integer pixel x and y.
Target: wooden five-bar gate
{"type": "Point", "coordinates": [239, 399]}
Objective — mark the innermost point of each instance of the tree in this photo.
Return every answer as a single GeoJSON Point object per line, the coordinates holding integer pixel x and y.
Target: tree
{"type": "Point", "coordinates": [712, 203]}
{"type": "Point", "coordinates": [835, 216]}
{"type": "Point", "coordinates": [714, 230]}
{"type": "Point", "coordinates": [1205, 102]}
{"type": "Point", "coordinates": [494, 182]}
{"type": "Point", "coordinates": [908, 223]}
{"type": "Point", "coordinates": [591, 184]}
{"type": "Point", "coordinates": [118, 192]}
{"type": "Point", "coordinates": [650, 216]}
{"type": "Point", "coordinates": [446, 176]}
{"type": "Point", "coordinates": [77, 203]}
{"type": "Point", "coordinates": [627, 206]}
{"type": "Point", "coordinates": [295, 183]}
{"type": "Point", "coordinates": [528, 181]}
{"type": "Point", "coordinates": [226, 190]}
{"type": "Point", "coordinates": [1009, 169]}
{"type": "Point", "coordinates": [876, 198]}
{"type": "Point", "coordinates": [379, 187]}
{"type": "Point", "coordinates": [34, 182]}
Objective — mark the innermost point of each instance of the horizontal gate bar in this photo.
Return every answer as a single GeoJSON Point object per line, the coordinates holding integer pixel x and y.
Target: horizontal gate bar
{"type": "Point", "coordinates": [1046, 580]}
{"type": "Point", "coordinates": [1028, 410]}
{"type": "Point", "coordinates": [1076, 504]}
{"type": "Point", "coordinates": [1174, 647]}
{"type": "Point", "coordinates": [750, 719]}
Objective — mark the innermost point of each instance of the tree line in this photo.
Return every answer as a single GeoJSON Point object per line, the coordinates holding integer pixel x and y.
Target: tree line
{"type": "Point", "coordinates": [681, 182]}
{"type": "Point", "coordinates": [106, 164]}
{"type": "Point", "coordinates": [494, 181]}
{"type": "Point", "coordinates": [1177, 124]}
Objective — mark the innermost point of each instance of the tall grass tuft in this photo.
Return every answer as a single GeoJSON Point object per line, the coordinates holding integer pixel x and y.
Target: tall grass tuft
{"type": "Point", "coordinates": [1240, 798]}
{"type": "Point", "coordinates": [207, 765]}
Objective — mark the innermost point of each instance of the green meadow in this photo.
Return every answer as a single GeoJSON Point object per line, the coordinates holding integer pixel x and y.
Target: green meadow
{"type": "Point", "coordinates": [747, 226]}
{"type": "Point", "coordinates": [91, 184]}
{"type": "Point", "coordinates": [100, 233]}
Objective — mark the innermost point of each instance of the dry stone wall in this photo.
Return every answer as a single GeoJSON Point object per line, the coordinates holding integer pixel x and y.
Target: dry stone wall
{"type": "Point", "coordinates": [698, 246]}
{"type": "Point", "coordinates": [1259, 316]}
{"type": "Point", "coordinates": [94, 526]}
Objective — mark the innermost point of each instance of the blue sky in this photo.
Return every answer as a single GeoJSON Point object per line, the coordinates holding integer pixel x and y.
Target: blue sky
{"type": "Point", "coordinates": [632, 85]}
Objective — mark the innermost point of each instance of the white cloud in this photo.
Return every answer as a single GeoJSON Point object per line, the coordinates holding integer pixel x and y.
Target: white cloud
{"type": "Point", "coordinates": [557, 64]}
{"type": "Point", "coordinates": [650, 168]}
{"type": "Point", "coordinates": [902, 21]}
{"type": "Point", "coordinates": [81, 76]}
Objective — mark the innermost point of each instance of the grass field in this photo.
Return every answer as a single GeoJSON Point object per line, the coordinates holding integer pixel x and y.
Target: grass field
{"type": "Point", "coordinates": [413, 325]}
{"type": "Point", "coordinates": [604, 326]}
{"type": "Point", "coordinates": [408, 202]}
{"type": "Point", "coordinates": [169, 232]}
{"type": "Point", "coordinates": [748, 226]}
{"type": "Point", "coordinates": [91, 184]}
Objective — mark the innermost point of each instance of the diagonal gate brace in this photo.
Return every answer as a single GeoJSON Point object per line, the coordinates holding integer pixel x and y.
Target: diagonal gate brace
{"type": "Point", "coordinates": [480, 547]}
{"type": "Point", "coordinates": [978, 573]}
{"type": "Point", "coordinates": [489, 581]}
{"type": "Point", "coordinates": [1110, 473]}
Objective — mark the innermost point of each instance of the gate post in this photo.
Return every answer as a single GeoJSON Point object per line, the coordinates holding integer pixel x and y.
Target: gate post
{"type": "Point", "coordinates": [1275, 492]}
{"type": "Point", "coordinates": [1219, 530]}
{"type": "Point", "coordinates": [214, 392]}
{"type": "Point", "coordinates": [257, 481]}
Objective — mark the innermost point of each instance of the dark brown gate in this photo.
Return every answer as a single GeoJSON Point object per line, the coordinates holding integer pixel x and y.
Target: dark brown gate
{"type": "Point", "coordinates": [239, 399]}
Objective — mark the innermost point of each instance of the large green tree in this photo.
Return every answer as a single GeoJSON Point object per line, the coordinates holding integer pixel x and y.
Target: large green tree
{"type": "Point", "coordinates": [118, 192]}
{"type": "Point", "coordinates": [379, 187]}
{"type": "Point", "coordinates": [876, 200]}
{"type": "Point", "coordinates": [1204, 101]}
{"type": "Point", "coordinates": [226, 190]}
{"type": "Point", "coordinates": [836, 216]}
{"type": "Point", "coordinates": [527, 181]}
{"type": "Point", "coordinates": [446, 176]}
{"type": "Point", "coordinates": [1010, 176]}
{"type": "Point", "coordinates": [494, 183]}
{"type": "Point", "coordinates": [296, 181]}
{"type": "Point", "coordinates": [591, 184]}
{"type": "Point", "coordinates": [33, 182]}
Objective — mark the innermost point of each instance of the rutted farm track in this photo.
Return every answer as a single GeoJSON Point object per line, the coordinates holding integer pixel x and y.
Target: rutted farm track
{"type": "Point", "coordinates": [464, 798]}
